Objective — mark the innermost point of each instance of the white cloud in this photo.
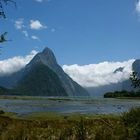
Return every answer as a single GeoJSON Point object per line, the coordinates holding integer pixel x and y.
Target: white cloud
{"type": "Point", "coordinates": [16, 63]}
{"type": "Point", "coordinates": [91, 75]}
{"type": "Point", "coordinates": [36, 25]}
{"type": "Point", "coordinates": [35, 37]}
{"type": "Point", "coordinates": [138, 6]}
{"type": "Point", "coordinates": [19, 24]}
{"type": "Point", "coordinates": [25, 33]}
{"type": "Point", "coordinates": [94, 75]}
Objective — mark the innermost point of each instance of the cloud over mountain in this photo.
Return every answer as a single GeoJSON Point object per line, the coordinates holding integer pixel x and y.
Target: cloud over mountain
{"type": "Point", "coordinates": [95, 75]}
{"type": "Point", "coordinates": [92, 75]}
{"type": "Point", "coordinates": [16, 63]}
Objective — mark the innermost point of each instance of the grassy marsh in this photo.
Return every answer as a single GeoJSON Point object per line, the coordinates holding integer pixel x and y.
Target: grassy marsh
{"type": "Point", "coordinates": [50, 126]}
{"type": "Point", "coordinates": [68, 126]}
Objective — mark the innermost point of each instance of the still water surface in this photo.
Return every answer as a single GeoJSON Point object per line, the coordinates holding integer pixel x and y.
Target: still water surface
{"type": "Point", "coordinates": [68, 105]}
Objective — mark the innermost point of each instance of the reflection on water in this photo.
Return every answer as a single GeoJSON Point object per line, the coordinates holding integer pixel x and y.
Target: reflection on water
{"type": "Point", "coordinates": [68, 105]}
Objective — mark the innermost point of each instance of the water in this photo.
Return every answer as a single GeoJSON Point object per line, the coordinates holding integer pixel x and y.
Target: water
{"type": "Point", "coordinates": [68, 105]}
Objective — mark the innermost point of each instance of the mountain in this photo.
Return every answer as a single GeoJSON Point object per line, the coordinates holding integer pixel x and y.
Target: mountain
{"type": "Point", "coordinates": [101, 90]}
{"type": "Point", "coordinates": [40, 81]}
{"type": "Point", "coordinates": [124, 85]}
{"type": "Point", "coordinates": [42, 77]}
{"type": "Point", "coordinates": [127, 85]}
{"type": "Point", "coordinates": [136, 67]}
{"type": "Point", "coordinates": [10, 80]}
{"type": "Point", "coordinates": [120, 69]}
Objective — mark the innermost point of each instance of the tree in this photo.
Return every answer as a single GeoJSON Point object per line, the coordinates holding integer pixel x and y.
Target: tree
{"type": "Point", "coordinates": [3, 15]}
{"type": "Point", "coordinates": [3, 38]}
{"type": "Point", "coordinates": [4, 2]}
{"type": "Point", "coordinates": [135, 80]}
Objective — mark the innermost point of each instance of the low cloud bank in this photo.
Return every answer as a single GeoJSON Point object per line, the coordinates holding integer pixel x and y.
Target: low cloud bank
{"type": "Point", "coordinates": [105, 73]}
{"type": "Point", "coordinates": [92, 75]}
{"type": "Point", "coordinates": [16, 63]}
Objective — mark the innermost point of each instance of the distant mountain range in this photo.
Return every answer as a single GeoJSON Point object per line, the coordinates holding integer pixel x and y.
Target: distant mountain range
{"type": "Point", "coordinates": [124, 85]}
{"type": "Point", "coordinates": [44, 77]}
{"type": "Point", "coordinates": [41, 77]}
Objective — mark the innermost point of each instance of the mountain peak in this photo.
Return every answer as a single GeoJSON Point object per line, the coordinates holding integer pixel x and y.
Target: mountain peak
{"type": "Point", "coordinates": [48, 54]}
{"type": "Point", "coordinates": [120, 69]}
{"type": "Point", "coordinates": [43, 76]}
{"type": "Point", "coordinates": [47, 51]}
{"type": "Point", "coordinates": [46, 57]}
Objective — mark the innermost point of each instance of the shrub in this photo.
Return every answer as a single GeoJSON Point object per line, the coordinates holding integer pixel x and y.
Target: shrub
{"type": "Point", "coordinates": [131, 122]}
{"type": "Point", "coordinates": [80, 130]}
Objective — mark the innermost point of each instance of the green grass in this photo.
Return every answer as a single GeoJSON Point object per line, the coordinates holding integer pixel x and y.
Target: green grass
{"type": "Point", "coordinates": [74, 116]}
{"type": "Point", "coordinates": [52, 126]}
{"type": "Point", "coordinates": [45, 126]}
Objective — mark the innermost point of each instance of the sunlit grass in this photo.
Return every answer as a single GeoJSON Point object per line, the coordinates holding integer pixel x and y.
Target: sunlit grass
{"type": "Point", "coordinates": [53, 126]}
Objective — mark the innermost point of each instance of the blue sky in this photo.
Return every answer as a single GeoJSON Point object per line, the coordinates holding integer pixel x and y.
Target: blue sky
{"type": "Point", "coordinates": [79, 31]}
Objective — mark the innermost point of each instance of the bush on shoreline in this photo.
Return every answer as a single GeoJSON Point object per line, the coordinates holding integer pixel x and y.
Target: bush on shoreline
{"type": "Point", "coordinates": [123, 93]}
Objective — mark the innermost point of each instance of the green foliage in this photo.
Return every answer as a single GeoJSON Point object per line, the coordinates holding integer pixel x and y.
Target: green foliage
{"type": "Point", "coordinates": [135, 83]}
{"type": "Point", "coordinates": [80, 130]}
{"type": "Point", "coordinates": [3, 38]}
{"type": "Point", "coordinates": [3, 90]}
{"type": "Point", "coordinates": [132, 117]}
{"type": "Point", "coordinates": [125, 127]}
{"type": "Point", "coordinates": [5, 2]}
{"type": "Point", "coordinates": [131, 121]}
{"type": "Point", "coordinates": [3, 15]}
{"type": "Point", "coordinates": [135, 80]}
{"type": "Point", "coordinates": [122, 94]}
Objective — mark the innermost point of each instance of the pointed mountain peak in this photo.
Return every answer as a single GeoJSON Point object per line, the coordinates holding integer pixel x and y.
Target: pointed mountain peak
{"type": "Point", "coordinates": [46, 57]}
{"type": "Point", "coordinates": [47, 51]}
